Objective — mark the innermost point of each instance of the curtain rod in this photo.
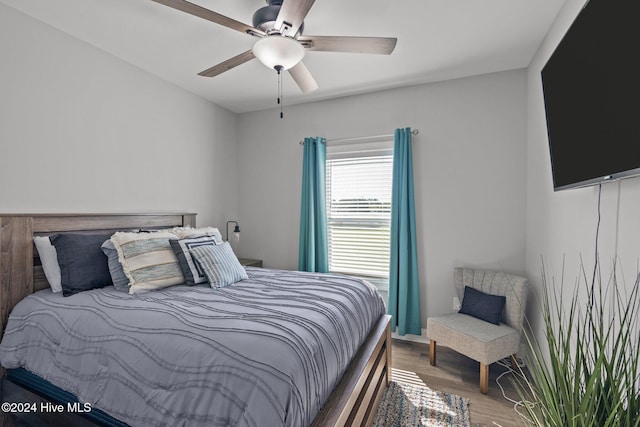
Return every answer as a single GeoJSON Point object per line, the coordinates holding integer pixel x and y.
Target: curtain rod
{"type": "Point", "coordinates": [364, 138]}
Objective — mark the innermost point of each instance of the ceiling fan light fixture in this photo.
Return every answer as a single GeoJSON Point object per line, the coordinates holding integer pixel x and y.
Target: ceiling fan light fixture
{"type": "Point", "coordinates": [278, 51]}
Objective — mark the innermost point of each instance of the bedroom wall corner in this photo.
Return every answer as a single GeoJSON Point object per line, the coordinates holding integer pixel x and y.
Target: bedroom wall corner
{"type": "Point", "coordinates": [83, 131]}
{"type": "Point", "coordinates": [469, 173]}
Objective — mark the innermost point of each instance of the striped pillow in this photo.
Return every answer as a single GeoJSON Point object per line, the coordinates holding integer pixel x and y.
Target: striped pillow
{"type": "Point", "coordinates": [220, 264]}
{"type": "Point", "coordinates": [193, 274]}
{"type": "Point", "coordinates": [119, 279]}
{"type": "Point", "coordinates": [148, 260]}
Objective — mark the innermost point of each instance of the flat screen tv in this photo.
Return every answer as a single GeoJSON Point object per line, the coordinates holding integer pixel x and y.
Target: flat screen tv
{"type": "Point", "coordinates": [592, 99]}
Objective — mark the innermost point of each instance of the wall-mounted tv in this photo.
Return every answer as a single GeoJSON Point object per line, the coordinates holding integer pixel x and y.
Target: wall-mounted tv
{"type": "Point", "coordinates": [591, 87]}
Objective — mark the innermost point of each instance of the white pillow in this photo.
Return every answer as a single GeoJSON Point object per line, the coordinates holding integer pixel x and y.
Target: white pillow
{"type": "Point", "coordinates": [49, 259]}
{"type": "Point", "coordinates": [184, 232]}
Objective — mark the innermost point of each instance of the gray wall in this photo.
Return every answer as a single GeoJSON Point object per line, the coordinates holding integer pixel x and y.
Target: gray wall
{"type": "Point", "coordinates": [469, 166]}
{"type": "Point", "coordinates": [562, 225]}
{"type": "Point", "coordinates": [82, 131]}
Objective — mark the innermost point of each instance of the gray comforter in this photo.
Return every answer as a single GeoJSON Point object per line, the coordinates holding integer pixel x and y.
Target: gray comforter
{"type": "Point", "coordinates": [266, 351]}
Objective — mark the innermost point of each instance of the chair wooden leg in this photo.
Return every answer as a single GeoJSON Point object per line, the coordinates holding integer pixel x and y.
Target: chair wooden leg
{"type": "Point", "coordinates": [484, 378]}
{"type": "Point", "coordinates": [432, 352]}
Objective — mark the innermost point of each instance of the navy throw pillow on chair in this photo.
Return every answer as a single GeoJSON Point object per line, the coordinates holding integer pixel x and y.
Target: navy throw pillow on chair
{"type": "Point", "coordinates": [483, 306]}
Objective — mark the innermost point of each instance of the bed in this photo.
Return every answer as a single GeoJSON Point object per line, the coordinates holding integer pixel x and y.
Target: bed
{"type": "Point", "coordinates": [331, 395]}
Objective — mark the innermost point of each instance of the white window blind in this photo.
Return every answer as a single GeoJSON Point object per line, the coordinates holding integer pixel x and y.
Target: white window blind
{"type": "Point", "coordinates": [359, 213]}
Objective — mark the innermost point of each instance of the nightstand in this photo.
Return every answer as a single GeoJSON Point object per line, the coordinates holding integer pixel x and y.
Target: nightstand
{"type": "Point", "coordinates": [248, 262]}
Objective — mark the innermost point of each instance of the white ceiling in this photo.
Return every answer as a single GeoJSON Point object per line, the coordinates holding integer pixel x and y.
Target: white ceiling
{"type": "Point", "coordinates": [437, 40]}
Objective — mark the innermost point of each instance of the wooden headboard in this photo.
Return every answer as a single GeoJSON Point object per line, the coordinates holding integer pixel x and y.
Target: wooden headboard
{"type": "Point", "coordinates": [20, 269]}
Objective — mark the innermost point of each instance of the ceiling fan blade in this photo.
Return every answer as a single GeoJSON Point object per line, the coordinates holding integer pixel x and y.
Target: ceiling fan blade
{"type": "Point", "coordinates": [209, 15]}
{"type": "Point", "coordinates": [303, 78]}
{"type": "Point", "coordinates": [379, 45]}
{"type": "Point", "coordinates": [291, 16]}
{"type": "Point", "coordinates": [228, 64]}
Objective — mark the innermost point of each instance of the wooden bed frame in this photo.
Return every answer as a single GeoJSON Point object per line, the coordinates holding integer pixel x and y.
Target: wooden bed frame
{"type": "Point", "coordinates": [353, 402]}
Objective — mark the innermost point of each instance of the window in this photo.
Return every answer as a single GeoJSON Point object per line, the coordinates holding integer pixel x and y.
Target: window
{"type": "Point", "coordinates": [359, 213]}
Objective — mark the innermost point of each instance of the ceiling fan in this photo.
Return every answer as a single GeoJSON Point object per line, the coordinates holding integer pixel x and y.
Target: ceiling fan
{"type": "Point", "coordinates": [282, 46]}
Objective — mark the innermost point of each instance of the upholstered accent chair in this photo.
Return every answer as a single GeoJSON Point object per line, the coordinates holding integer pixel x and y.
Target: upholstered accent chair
{"type": "Point", "coordinates": [475, 338]}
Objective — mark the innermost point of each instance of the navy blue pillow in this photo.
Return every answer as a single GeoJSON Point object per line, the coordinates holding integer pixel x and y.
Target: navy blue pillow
{"type": "Point", "coordinates": [83, 265]}
{"type": "Point", "coordinates": [482, 306]}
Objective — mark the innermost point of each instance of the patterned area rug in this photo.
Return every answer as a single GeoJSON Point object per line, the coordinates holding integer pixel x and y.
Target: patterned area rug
{"type": "Point", "coordinates": [408, 405]}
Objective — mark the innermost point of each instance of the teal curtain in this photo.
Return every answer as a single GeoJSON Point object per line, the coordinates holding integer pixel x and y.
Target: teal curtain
{"type": "Point", "coordinates": [313, 254]}
{"type": "Point", "coordinates": [404, 286]}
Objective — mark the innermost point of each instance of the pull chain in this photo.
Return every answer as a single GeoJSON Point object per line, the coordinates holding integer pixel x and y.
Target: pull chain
{"type": "Point", "coordinates": [280, 97]}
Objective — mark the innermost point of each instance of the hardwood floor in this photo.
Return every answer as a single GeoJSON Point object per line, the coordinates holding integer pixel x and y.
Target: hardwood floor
{"type": "Point", "coordinates": [457, 374]}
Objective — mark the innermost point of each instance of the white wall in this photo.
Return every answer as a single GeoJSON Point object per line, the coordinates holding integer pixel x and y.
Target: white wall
{"type": "Point", "coordinates": [563, 224]}
{"type": "Point", "coordinates": [469, 171]}
{"type": "Point", "coordinates": [82, 131]}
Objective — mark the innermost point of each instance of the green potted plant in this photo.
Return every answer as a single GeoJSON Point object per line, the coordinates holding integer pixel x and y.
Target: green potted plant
{"type": "Point", "coordinates": [586, 370]}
